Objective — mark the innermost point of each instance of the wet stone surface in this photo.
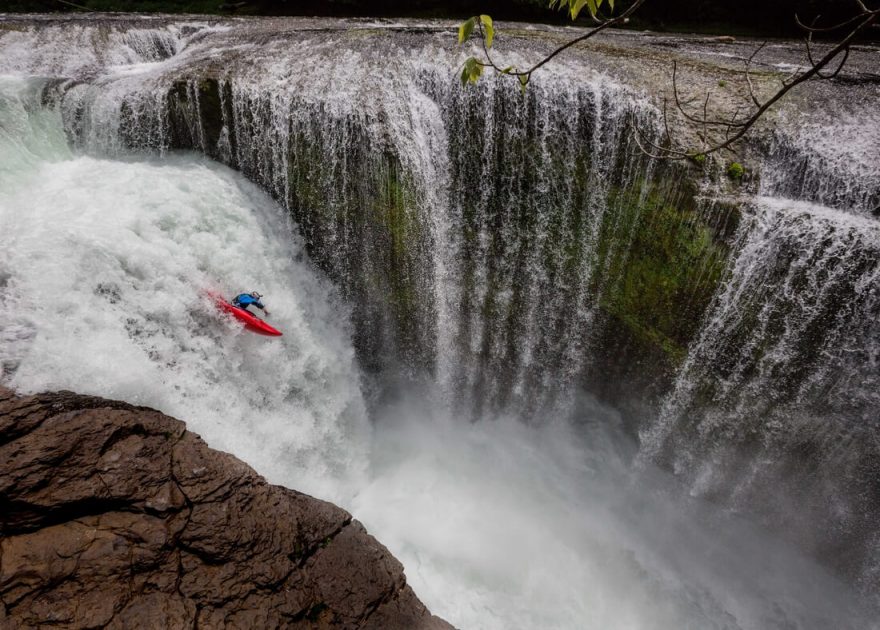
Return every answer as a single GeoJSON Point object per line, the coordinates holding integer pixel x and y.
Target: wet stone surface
{"type": "Point", "coordinates": [116, 516]}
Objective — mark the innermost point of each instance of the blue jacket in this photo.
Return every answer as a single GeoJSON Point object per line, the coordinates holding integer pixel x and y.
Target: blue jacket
{"type": "Point", "coordinates": [244, 300]}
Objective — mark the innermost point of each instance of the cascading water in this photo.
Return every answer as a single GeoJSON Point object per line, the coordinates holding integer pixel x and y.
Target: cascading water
{"type": "Point", "coordinates": [793, 340]}
{"type": "Point", "coordinates": [499, 251]}
{"type": "Point", "coordinates": [531, 187]}
{"type": "Point", "coordinates": [838, 170]}
{"type": "Point", "coordinates": [104, 269]}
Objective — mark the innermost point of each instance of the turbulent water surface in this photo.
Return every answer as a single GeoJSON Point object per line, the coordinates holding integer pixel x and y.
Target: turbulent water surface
{"type": "Point", "coordinates": [448, 268]}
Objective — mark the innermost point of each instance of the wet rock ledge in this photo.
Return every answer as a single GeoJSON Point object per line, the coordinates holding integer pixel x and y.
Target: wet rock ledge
{"type": "Point", "coordinates": [116, 516]}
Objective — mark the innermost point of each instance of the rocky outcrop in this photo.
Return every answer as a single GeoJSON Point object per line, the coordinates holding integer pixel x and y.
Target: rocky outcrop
{"type": "Point", "coordinates": [116, 516]}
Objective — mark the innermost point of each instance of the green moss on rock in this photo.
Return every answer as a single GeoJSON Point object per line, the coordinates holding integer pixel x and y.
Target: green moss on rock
{"type": "Point", "coordinates": [662, 255]}
{"type": "Point", "coordinates": [735, 171]}
{"type": "Point", "coordinates": [198, 111]}
{"type": "Point", "coordinates": [659, 285]}
{"type": "Point", "coordinates": [362, 226]}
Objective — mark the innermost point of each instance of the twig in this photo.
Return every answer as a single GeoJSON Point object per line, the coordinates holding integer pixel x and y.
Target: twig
{"type": "Point", "coordinates": [591, 33]}
{"type": "Point", "coordinates": [868, 18]}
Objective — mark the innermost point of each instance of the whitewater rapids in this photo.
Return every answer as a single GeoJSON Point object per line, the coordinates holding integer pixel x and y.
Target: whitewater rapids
{"type": "Point", "coordinates": [499, 525]}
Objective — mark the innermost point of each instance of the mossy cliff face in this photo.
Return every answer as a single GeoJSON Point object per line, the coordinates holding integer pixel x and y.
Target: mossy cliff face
{"type": "Point", "coordinates": [568, 257]}
{"type": "Point", "coordinates": [581, 260]}
{"type": "Point", "coordinates": [671, 267]}
{"type": "Point", "coordinates": [363, 227]}
{"type": "Point", "coordinates": [655, 292]}
{"type": "Point", "coordinates": [571, 258]}
{"type": "Point", "coordinates": [198, 113]}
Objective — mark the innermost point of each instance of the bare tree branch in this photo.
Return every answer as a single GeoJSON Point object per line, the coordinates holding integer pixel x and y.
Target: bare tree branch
{"type": "Point", "coordinates": [749, 75]}
{"type": "Point", "coordinates": [809, 46]}
{"type": "Point", "coordinates": [716, 134]}
{"type": "Point", "coordinates": [829, 29]}
{"type": "Point", "coordinates": [602, 25]}
{"type": "Point", "coordinates": [864, 20]}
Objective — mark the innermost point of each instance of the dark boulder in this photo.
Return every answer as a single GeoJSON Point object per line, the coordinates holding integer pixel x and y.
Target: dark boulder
{"type": "Point", "coordinates": [116, 516]}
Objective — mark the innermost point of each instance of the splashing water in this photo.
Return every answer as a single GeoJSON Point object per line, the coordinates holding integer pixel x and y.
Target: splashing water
{"type": "Point", "coordinates": [105, 264]}
{"type": "Point", "coordinates": [791, 343]}
{"type": "Point", "coordinates": [498, 524]}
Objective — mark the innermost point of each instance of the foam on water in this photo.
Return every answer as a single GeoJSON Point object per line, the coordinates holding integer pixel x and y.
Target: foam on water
{"type": "Point", "coordinates": [97, 46]}
{"type": "Point", "coordinates": [104, 266]}
{"type": "Point", "coordinates": [501, 525]}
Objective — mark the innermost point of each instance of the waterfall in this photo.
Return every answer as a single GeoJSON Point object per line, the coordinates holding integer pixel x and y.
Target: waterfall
{"type": "Point", "coordinates": [511, 263]}
{"type": "Point", "coordinates": [777, 401]}
{"type": "Point", "coordinates": [833, 169]}
{"type": "Point", "coordinates": [102, 290]}
{"type": "Point", "coordinates": [482, 237]}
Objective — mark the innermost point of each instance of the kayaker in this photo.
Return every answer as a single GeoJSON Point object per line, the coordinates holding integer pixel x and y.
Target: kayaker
{"type": "Point", "coordinates": [244, 300]}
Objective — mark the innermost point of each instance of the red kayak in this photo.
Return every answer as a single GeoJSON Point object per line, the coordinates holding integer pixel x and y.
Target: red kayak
{"type": "Point", "coordinates": [250, 321]}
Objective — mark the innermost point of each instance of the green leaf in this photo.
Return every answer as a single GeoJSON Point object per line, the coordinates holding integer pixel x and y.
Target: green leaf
{"type": "Point", "coordinates": [490, 32]}
{"type": "Point", "coordinates": [507, 70]}
{"type": "Point", "coordinates": [576, 6]}
{"type": "Point", "coordinates": [476, 72]}
{"type": "Point", "coordinates": [471, 71]}
{"type": "Point", "coordinates": [523, 82]}
{"type": "Point", "coordinates": [465, 30]}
